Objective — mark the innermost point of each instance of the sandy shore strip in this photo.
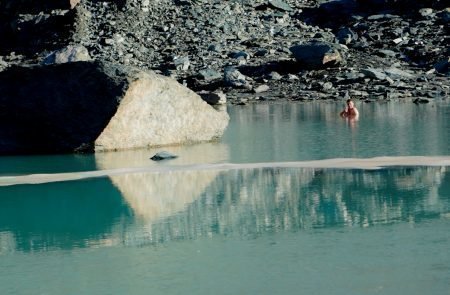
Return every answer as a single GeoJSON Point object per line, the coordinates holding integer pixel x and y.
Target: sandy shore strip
{"type": "Point", "coordinates": [339, 163]}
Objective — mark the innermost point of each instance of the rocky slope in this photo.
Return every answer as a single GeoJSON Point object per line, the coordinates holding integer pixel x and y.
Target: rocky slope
{"type": "Point", "coordinates": [251, 50]}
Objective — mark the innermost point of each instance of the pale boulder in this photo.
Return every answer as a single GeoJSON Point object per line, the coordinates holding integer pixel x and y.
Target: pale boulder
{"type": "Point", "coordinates": [88, 106]}
{"type": "Point", "coordinates": [156, 111]}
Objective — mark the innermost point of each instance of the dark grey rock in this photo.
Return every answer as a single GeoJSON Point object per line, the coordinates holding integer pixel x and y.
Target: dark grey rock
{"type": "Point", "coordinates": [261, 52]}
{"type": "Point", "coordinates": [346, 36]}
{"type": "Point", "coordinates": [374, 73]}
{"type": "Point", "coordinates": [280, 5]}
{"type": "Point", "coordinates": [377, 17]}
{"type": "Point", "coordinates": [215, 47]}
{"type": "Point", "coordinates": [3, 64]}
{"type": "Point", "coordinates": [71, 53]}
{"type": "Point", "coordinates": [387, 74]}
{"type": "Point", "coordinates": [274, 76]}
{"type": "Point", "coordinates": [34, 19]}
{"type": "Point", "coordinates": [317, 55]}
{"type": "Point", "coordinates": [233, 77]}
{"type": "Point", "coordinates": [164, 155]}
{"type": "Point", "coordinates": [210, 74]}
{"type": "Point", "coordinates": [445, 15]}
{"type": "Point", "coordinates": [386, 52]}
{"type": "Point", "coordinates": [353, 76]}
{"type": "Point", "coordinates": [330, 12]}
{"type": "Point", "coordinates": [239, 54]}
{"type": "Point", "coordinates": [396, 73]}
{"type": "Point", "coordinates": [443, 66]}
{"type": "Point", "coordinates": [182, 63]}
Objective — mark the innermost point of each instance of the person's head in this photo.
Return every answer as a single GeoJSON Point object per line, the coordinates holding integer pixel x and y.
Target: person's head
{"type": "Point", "coordinates": [350, 103]}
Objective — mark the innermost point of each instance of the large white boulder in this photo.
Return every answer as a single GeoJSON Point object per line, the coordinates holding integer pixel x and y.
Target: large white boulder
{"type": "Point", "coordinates": [156, 111]}
{"type": "Point", "coordinates": [93, 106]}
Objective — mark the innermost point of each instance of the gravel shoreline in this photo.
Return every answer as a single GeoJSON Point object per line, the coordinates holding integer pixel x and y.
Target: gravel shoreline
{"type": "Point", "coordinates": [373, 50]}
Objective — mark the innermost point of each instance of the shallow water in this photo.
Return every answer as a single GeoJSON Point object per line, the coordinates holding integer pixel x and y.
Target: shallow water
{"type": "Point", "coordinates": [283, 132]}
{"type": "Point", "coordinates": [259, 230]}
{"type": "Point", "coordinates": [313, 131]}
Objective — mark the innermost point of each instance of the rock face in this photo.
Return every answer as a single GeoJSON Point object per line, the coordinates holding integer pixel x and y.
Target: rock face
{"type": "Point", "coordinates": [87, 106]}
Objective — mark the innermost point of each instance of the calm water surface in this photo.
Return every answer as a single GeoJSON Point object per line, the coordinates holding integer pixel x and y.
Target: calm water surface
{"type": "Point", "coordinates": [249, 231]}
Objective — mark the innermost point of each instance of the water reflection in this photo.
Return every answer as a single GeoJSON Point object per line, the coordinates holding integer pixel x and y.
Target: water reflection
{"type": "Point", "coordinates": [22, 165]}
{"type": "Point", "coordinates": [305, 131]}
{"type": "Point", "coordinates": [253, 202]}
{"type": "Point", "coordinates": [152, 195]}
{"type": "Point", "coordinates": [145, 208]}
{"type": "Point", "coordinates": [60, 215]}
{"type": "Point", "coordinates": [156, 208]}
{"type": "Point", "coordinates": [210, 152]}
{"type": "Point", "coordinates": [102, 211]}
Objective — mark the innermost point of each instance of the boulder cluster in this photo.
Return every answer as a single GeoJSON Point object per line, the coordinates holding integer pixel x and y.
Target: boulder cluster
{"type": "Point", "coordinates": [247, 50]}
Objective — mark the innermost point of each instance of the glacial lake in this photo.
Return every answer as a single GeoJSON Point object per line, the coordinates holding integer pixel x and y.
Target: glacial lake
{"type": "Point", "coordinates": [292, 200]}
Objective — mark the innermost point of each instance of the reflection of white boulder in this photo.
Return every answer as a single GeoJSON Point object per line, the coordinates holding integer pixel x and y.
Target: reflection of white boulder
{"type": "Point", "coordinates": [258, 200]}
{"type": "Point", "coordinates": [154, 196]}
{"type": "Point", "coordinates": [157, 195]}
{"type": "Point", "coordinates": [7, 242]}
{"type": "Point", "coordinates": [252, 196]}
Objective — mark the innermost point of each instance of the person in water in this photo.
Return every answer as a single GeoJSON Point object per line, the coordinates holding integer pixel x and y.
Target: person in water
{"type": "Point", "coordinates": [350, 111]}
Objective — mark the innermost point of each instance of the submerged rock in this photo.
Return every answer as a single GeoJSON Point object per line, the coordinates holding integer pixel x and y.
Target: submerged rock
{"type": "Point", "coordinates": [93, 106]}
{"type": "Point", "coordinates": [163, 156]}
{"type": "Point", "coordinates": [421, 100]}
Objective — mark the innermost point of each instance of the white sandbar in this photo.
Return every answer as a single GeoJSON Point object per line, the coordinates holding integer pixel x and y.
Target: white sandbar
{"type": "Point", "coordinates": [339, 163]}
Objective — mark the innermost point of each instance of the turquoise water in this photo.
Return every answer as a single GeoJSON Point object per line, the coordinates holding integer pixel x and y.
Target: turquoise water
{"type": "Point", "coordinates": [313, 131]}
{"type": "Point", "coordinates": [242, 231]}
